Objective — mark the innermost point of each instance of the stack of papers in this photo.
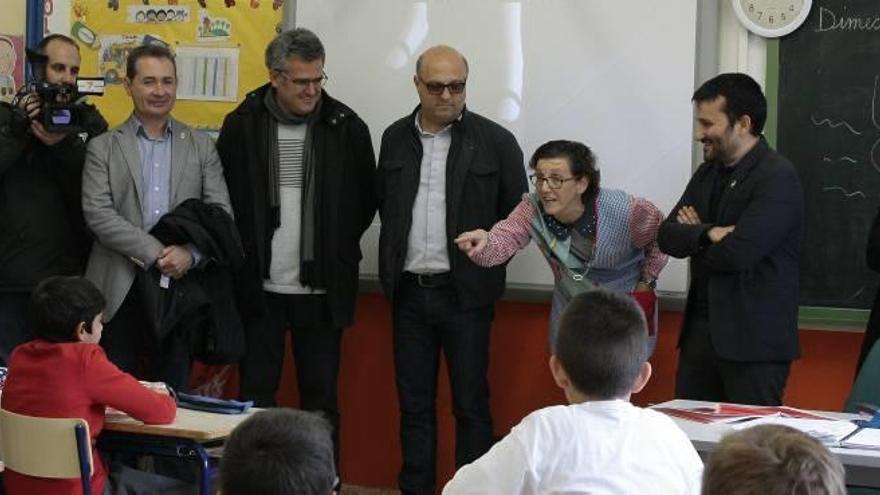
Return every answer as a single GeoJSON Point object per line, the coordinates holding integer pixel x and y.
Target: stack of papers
{"type": "Point", "coordinates": [866, 438]}
{"type": "Point", "coordinates": [735, 413]}
{"type": "Point", "coordinates": [829, 432]}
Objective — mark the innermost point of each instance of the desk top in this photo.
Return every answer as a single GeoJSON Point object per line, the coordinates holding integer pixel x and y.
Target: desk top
{"type": "Point", "coordinates": [706, 436]}
{"type": "Point", "coordinates": [193, 425]}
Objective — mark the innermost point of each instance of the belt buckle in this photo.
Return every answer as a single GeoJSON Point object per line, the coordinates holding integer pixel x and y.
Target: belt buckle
{"type": "Point", "coordinates": [423, 280]}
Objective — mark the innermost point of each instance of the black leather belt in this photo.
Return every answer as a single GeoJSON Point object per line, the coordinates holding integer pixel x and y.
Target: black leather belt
{"type": "Point", "coordinates": [429, 280]}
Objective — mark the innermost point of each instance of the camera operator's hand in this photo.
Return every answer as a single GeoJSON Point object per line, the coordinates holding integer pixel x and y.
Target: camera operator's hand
{"type": "Point", "coordinates": [48, 138]}
{"type": "Point", "coordinates": [31, 105]}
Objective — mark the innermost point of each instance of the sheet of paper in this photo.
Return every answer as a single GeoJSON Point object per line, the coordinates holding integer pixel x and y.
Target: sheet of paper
{"type": "Point", "coordinates": [867, 438]}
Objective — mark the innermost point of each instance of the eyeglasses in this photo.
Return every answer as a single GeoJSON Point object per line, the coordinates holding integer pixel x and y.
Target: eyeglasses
{"type": "Point", "coordinates": [436, 88]}
{"type": "Point", "coordinates": [553, 182]}
{"type": "Point", "coordinates": [304, 83]}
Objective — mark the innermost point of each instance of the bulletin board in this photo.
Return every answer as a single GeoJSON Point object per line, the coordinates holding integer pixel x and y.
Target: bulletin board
{"type": "Point", "coordinates": [218, 46]}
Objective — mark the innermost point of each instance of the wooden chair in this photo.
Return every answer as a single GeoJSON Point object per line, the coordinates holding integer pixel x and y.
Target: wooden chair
{"type": "Point", "coordinates": [47, 447]}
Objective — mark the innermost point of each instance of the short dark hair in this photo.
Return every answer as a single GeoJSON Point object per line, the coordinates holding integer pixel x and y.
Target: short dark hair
{"type": "Point", "coordinates": [59, 304]}
{"type": "Point", "coordinates": [151, 50]}
{"type": "Point", "coordinates": [41, 46]}
{"type": "Point", "coordinates": [279, 452]}
{"type": "Point", "coordinates": [742, 96]}
{"type": "Point", "coordinates": [581, 161]}
{"type": "Point", "coordinates": [772, 459]}
{"type": "Point", "coordinates": [299, 42]}
{"type": "Point", "coordinates": [602, 343]}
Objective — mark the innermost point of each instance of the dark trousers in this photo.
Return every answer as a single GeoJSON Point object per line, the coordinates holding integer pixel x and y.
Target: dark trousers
{"type": "Point", "coordinates": [425, 321]}
{"type": "Point", "coordinates": [315, 351]}
{"type": "Point", "coordinates": [134, 347]}
{"type": "Point", "coordinates": [703, 375]}
{"type": "Point", "coordinates": [13, 327]}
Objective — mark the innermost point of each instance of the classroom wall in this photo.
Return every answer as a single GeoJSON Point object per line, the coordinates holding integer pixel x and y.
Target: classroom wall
{"type": "Point", "coordinates": [520, 382]}
{"type": "Point", "coordinates": [14, 16]}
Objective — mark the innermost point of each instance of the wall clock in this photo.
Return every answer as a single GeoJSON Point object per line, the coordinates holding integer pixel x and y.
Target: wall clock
{"type": "Point", "coordinates": [771, 18]}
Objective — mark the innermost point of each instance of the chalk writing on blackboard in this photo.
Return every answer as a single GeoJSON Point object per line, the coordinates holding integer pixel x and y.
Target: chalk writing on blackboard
{"type": "Point", "coordinates": [831, 20]}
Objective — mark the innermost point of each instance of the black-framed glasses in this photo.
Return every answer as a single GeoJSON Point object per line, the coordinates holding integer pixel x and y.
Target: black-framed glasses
{"type": "Point", "coordinates": [304, 83]}
{"type": "Point", "coordinates": [436, 88]}
{"type": "Point", "coordinates": [552, 181]}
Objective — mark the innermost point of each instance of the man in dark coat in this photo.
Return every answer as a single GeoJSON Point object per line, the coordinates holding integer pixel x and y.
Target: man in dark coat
{"type": "Point", "coordinates": [442, 170]}
{"type": "Point", "coordinates": [300, 169]}
{"type": "Point", "coordinates": [42, 232]}
{"type": "Point", "coordinates": [740, 221]}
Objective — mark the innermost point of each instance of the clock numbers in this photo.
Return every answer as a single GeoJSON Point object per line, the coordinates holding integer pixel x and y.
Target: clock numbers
{"type": "Point", "coordinates": [771, 17]}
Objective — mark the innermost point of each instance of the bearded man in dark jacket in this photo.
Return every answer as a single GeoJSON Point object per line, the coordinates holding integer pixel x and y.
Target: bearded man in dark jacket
{"type": "Point", "coordinates": [42, 231]}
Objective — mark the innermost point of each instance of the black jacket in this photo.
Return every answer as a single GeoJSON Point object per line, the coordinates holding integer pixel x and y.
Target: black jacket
{"type": "Point", "coordinates": [42, 232]}
{"type": "Point", "coordinates": [201, 305]}
{"type": "Point", "coordinates": [344, 152]}
{"type": "Point", "coordinates": [872, 256]}
{"type": "Point", "coordinates": [485, 180]}
{"type": "Point", "coordinates": [753, 273]}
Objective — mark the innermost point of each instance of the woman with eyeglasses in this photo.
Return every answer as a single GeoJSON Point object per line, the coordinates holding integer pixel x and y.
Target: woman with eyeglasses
{"type": "Point", "coordinates": [589, 235]}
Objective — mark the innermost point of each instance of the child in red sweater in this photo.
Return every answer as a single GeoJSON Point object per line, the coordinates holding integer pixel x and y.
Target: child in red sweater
{"type": "Point", "coordinates": [64, 373]}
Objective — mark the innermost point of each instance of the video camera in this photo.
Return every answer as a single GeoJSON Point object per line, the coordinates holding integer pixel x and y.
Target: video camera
{"type": "Point", "coordinates": [62, 105]}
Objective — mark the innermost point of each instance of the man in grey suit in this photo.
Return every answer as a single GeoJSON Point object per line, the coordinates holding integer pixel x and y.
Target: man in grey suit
{"type": "Point", "coordinates": [133, 175]}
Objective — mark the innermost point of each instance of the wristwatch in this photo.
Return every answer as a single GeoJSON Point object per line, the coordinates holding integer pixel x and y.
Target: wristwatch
{"type": "Point", "coordinates": [650, 282]}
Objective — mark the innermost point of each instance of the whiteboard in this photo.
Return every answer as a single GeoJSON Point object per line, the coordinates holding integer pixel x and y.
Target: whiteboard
{"type": "Point", "coordinates": [617, 75]}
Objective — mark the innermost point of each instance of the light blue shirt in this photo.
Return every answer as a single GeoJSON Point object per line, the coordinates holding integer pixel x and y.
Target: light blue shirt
{"type": "Point", "coordinates": [155, 156]}
{"type": "Point", "coordinates": [427, 251]}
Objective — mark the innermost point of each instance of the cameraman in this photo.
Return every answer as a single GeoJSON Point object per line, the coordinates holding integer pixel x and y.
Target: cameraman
{"type": "Point", "coordinates": [42, 232]}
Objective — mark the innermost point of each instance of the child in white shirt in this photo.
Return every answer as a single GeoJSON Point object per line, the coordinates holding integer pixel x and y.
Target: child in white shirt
{"type": "Point", "coordinates": [600, 443]}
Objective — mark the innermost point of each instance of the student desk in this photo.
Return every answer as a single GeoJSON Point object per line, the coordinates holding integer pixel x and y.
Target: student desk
{"type": "Point", "coordinates": [862, 466]}
{"type": "Point", "coordinates": [186, 437]}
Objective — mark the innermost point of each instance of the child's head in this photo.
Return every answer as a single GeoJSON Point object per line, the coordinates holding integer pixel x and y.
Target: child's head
{"type": "Point", "coordinates": [279, 451]}
{"type": "Point", "coordinates": [772, 459]}
{"type": "Point", "coordinates": [602, 347]}
{"type": "Point", "coordinates": [66, 309]}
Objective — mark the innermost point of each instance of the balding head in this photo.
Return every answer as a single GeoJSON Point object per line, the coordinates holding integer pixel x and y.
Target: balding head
{"type": "Point", "coordinates": [441, 54]}
{"type": "Point", "coordinates": [441, 74]}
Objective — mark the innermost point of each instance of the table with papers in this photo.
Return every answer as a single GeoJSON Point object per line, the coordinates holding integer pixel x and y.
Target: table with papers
{"type": "Point", "coordinates": [187, 437]}
{"type": "Point", "coordinates": [862, 464]}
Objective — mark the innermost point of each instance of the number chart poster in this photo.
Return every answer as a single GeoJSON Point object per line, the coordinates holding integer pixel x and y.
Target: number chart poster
{"type": "Point", "coordinates": [218, 46]}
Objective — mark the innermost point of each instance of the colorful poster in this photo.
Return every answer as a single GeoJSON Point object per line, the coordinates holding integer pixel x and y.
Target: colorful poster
{"type": "Point", "coordinates": [219, 47]}
{"type": "Point", "coordinates": [207, 74]}
{"type": "Point", "coordinates": [11, 65]}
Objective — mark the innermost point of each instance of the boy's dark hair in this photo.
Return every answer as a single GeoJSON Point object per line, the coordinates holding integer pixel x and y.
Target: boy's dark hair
{"type": "Point", "coordinates": [772, 459]}
{"type": "Point", "coordinates": [742, 96]}
{"type": "Point", "coordinates": [581, 162]}
{"type": "Point", "coordinates": [602, 343]}
{"type": "Point", "coordinates": [59, 304]}
{"type": "Point", "coordinates": [279, 452]}
{"type": "Point", "coordinates": [154, 51]}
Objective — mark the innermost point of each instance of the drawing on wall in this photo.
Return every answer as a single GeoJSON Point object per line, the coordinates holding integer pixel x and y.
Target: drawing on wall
{"type": "Point", "coordinates": [157, 14]}
{"type": "Point", "coordinates": [212, 28]}
{"type": "Point", "coordinates": [113, 54]}
{"type": "Point", "coordinates": [208, 74]}
{"type": "Point", "coordinates": [11, 65]}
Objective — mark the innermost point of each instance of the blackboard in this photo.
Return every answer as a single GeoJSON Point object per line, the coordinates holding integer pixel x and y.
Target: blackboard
{"type": "Point", "coordinates": [829, 127]}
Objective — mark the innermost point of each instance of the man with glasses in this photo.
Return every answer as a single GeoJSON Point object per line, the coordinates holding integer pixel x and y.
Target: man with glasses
{"type": "Point", "coordinates": [300, 169]}
{"type": "Point", "coordinates": [442, 170]}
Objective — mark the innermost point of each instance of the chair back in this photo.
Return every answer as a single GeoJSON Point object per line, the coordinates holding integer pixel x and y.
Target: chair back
{"type": "Point", "coordinates": [46, 447]}
{"type": "Point", "coordinates": [866, 389]}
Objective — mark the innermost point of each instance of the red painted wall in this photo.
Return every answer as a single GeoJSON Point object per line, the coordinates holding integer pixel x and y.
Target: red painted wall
{"type": "Point", "coordinates": [520, 382]}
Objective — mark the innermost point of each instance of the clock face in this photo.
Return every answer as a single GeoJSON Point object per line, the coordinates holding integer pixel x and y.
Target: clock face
{"type": "Point", "coordinates": [772, 18]}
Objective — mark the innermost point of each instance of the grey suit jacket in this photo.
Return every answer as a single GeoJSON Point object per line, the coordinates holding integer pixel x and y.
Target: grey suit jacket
{"type": "Point", "coordinates": [112, 194]}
